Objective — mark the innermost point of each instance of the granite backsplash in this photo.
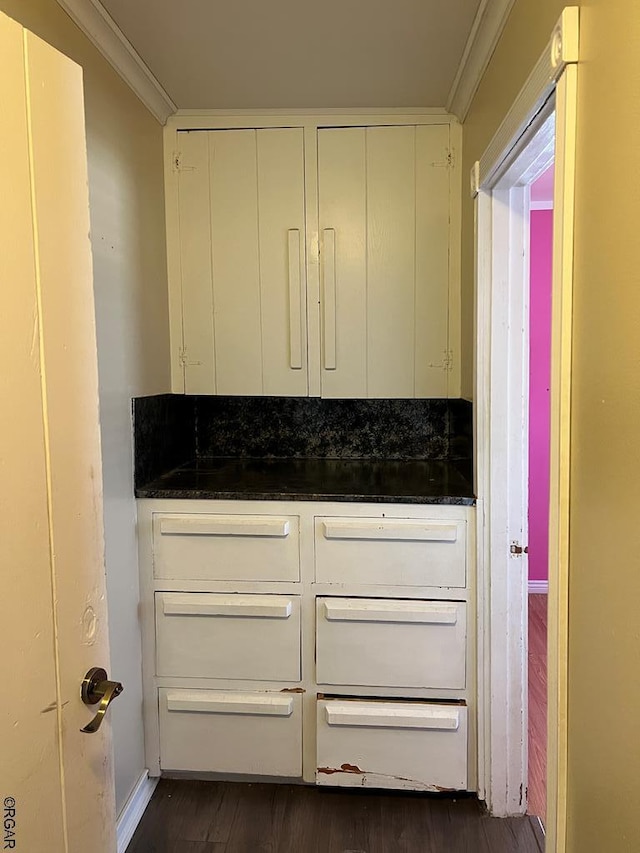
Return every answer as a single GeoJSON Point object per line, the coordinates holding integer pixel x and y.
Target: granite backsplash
{"type": "Point", "coordinates": [173, 429]}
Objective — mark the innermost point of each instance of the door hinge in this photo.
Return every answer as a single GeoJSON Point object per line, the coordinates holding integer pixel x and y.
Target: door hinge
{"type": "Point", "coordinates": [447, 361]}
{"type": "Point", "coordinates": [517, 550]}
{"type": "Point", "coordinates": [178, 163]}
{"type": "Point", "coordinates": [183, 359]}
{"type": "Point", "coordinates": [448, 162]}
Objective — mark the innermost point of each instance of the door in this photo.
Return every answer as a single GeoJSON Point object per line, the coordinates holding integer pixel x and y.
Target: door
{"type": "Point", "coordinates": [56, 782]}
{"type": "Point", "coordinates": [384, 207]}
{"type": "Point", "coordinates": [242, 239]}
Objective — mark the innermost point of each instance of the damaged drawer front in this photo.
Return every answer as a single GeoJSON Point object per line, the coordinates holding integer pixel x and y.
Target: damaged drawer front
{"type": "Point", "coordinates": [203, 546]}
{"type": "Point", "coordinates": [205, 635]}
{"type": "Point", "coordinates": [411, 745]}
{"type": "Point", "coordinates": [392, 551]}
{"type": "Point", "coordinates": [391, 642]}
{"type": "Point", "coordinates": [225, 732]}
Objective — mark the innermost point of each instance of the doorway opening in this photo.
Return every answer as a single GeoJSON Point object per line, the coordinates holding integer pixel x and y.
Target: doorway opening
{"type": "Point", "coordinates": [539, 435]}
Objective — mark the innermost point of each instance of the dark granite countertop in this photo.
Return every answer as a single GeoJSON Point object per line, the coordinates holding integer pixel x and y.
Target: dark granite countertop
{"type": "Point", "coordinates": [416, 481]}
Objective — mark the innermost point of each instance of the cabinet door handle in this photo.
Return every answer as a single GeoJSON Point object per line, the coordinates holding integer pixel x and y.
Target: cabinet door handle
{"type": "Point", "coordinates": [295, 301]}
{"type": "Point", "coordinates": [329, 297]}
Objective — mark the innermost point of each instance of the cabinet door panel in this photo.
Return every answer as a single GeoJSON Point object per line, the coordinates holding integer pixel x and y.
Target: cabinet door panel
{"type": "Point", "coordinates": [384, 197]}
{"type": "Point", "coordinates": [343, 211]}
{"type": "Point", "coordinates": [195, 262]}
{"type": "Point", "coordinates": [236, 263]}
{"type": "Point", "coordinates": [282, 260]}
{"type": "Point", "coordinates": [432, 260]}
{"type": "Point", "coordinates": [391, 246]}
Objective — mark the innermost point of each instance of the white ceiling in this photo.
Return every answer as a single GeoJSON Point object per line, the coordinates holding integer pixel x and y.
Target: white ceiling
{"type": "Point", "coordinates": [262, 54]}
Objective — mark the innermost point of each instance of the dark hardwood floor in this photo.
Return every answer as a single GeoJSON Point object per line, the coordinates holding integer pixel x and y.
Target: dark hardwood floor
{"type": "Point", "coordinates": [232, 817]}
{"type": "Point", "coordinates": [538, 705]}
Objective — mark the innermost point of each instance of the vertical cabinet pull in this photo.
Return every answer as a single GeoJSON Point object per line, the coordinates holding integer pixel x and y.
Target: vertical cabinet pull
{"type": "Point", "coordinates": [295, 300]}
{"type": "Point", "coordinates": [329, 297]}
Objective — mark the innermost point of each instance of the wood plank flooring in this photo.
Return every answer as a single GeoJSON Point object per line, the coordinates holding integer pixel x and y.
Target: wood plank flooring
{"type": "Point", "coordinates": [537, 705]}
{"type": "Point", "coordinates": [233, 817]}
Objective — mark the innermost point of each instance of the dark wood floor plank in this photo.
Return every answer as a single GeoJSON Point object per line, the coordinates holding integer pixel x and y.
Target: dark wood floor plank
{"type": "Point", "coordinates": [225, 817]}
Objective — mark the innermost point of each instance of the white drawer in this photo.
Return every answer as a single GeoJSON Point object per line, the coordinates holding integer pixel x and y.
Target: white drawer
{"type": "Point", "coordinates": [224, 732]}
{"type": "Point", "coordinates": [204, 546]}
{"type": "Point", "coordinates": [392, 551]}
{"type": "Point", "coordinates": [228, 636]}
{"type": "Point", "coordinates": [412, 745]}
{"type": "Point", "coordinates": [391, 642]}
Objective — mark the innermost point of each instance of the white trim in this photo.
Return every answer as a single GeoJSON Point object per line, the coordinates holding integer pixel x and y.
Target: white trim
{"type": "Point", "coordinates": [502, 584]}
{"type": "Point", "coordinates": [133, 809]}
{"type": "Point", "coordinates": [309, 113]}
{"type": "Point", "coordinates": [561, 50]}
{"type": "Point", "coordinates": [313, 119]}
{"type": "Point", "coordinates": [538, 587]}
{"type": "Point", "coordinates": [486, 30]}
{"type": "Point", "coordinates": [100, 28]}
{"type": "Point", "coordinates": [541, 205]}
{"type": "Point", "coordinates": [559, 521]}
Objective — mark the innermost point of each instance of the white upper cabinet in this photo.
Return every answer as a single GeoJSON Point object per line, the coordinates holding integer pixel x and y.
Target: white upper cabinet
{"type": "Point", "coordinates": [315, 260]}
{"type": "Point", "coordinates": [241, 219]}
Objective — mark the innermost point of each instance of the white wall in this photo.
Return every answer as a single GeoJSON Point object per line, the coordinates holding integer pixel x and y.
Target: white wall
{"type": "Point", "coordinates": [124, 144]}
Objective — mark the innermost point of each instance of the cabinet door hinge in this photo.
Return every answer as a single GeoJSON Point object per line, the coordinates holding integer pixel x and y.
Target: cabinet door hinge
{"type": "Point", "coordinates": [183, 359]}
{"type": "Point", "coordinates": [448, 162]}
{"type": "Point", "coordinates": [447, 361]}
{"type": "Point", "coordinates": [517, 550]}
{"type": "Point", "coordinates": [178, 163]}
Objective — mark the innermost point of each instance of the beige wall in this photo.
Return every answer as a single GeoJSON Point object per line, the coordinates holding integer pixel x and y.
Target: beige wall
{"type": "Point", "coordinates": [124, 144]}
{"type": "Point", "coordinates": [604, 620]}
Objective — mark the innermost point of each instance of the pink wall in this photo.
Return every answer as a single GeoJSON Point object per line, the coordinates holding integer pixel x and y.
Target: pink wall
{"type": "Point", "coordinates": [539, 379]}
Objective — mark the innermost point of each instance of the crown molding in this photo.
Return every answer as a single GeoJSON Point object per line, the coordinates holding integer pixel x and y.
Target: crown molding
{"type": "Point", "coordinates": [486, 30]}
{"type": "Point", "coordinates": [100, 28]}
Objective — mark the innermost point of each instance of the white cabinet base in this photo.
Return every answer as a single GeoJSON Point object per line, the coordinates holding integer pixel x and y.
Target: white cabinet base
{"type": "Point", "coordinates": [230, 671]}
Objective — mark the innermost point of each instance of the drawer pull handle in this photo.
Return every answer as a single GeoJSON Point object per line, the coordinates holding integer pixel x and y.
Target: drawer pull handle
{"type": "Point", "coordinates": [229, 605]}
{"type": "Point", "coordinates": [374, 610]}
{"type": "Point", "coordinates": [400, 717]}
{"type": "Point", "coordinates": [225, 526]}
{"type": "Point", "coordinates": [391, 530]}
{"type": "Point", "coordinates": [229, 703]}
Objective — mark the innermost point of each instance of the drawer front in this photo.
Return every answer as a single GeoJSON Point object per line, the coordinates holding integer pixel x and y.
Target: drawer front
{"type": "Point", "coordinates": [204, 635]}
{"type": "Point", "coordinates": [411, 745]}
{"type": "Point", "coordinates": [221, 732]}
{"type": "Point", "coordinates": [391, 551]}
{"type": "Point", "coordinates": [391, 642]}
{"type": "Point", "coordinates": [202, 546]}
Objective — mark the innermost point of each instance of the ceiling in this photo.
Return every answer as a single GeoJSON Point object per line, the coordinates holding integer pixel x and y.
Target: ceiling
{"type": "Point", "coordinates": [272, 54]}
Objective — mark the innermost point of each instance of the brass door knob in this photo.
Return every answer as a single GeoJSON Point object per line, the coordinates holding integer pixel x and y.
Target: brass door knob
{"type": "Point", "coordinates": [97, 688]}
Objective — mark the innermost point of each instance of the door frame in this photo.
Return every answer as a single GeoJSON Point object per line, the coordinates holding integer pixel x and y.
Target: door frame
{"type": "Point", "coordinates": [499, 182]}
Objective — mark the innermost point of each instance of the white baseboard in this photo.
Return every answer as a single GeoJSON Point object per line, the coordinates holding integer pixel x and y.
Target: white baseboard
{"type": "Point", "coordinates": [133, 809]}
{"type": "Point", "coordinates": [541, 587]}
